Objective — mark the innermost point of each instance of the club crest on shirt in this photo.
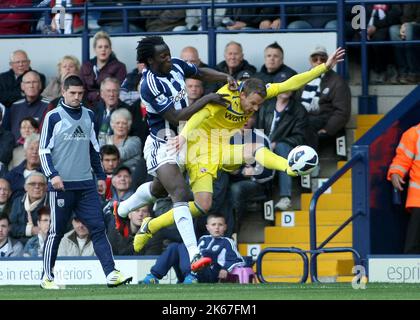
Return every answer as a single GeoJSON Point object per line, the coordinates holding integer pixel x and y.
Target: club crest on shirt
{"type": "Point", "coordinates": [203, 170]}
{"type": "Point", "coordinates": [60, 202]}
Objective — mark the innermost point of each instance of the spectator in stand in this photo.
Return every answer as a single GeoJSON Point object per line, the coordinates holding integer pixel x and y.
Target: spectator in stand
{"type": "Point", "coordinates": [10, 81]}
{"type": "Point", "coordinates": [317, 17]}
{"type": "Point", "coordinates": [32, 163]}
{"type": "Point", "coordinates": [5, 193]}
{"type": "Point", "coordinates": [274, 66]}
{"type": "Point", "coordinates": [104, 64]}
{"type": "Point", "coordinates": [195, 89]}
{"type": "Point", "coordinates": [122, 235]}
{"type": "Point", "coordinates": [162, 20]}
{"type": "Point", "coordinates": [76, 242]}
{"type": "Point", "coordinates": [327, 99]}
{"type": "Point", "coordinates": [25, 209]}
{"type": "Point", "coordinates": [190, 54]}
{"type": "Point", "coordinates": [112, 21]}
{"type": "Point", "coordinates": [33, 104]}
{"type": "Point", "coordinates": [220, 250]}
{"type": "Point", "coordinates": [66, 66]}
{"type": "Point", "coordinates": [407, 57]}
{"type": "Point", "coordinates": [405, 166]}
{"type": "Point", "coordinates": [72, 21]}
{"type": "Point", "coordinates": [272, 19]}
{"type": "Point", "coordinates": [8, 247]}
{"type": "Point", "coordinates": [234, 63]}
{"type": "Point", "coordinates": [35, 245]}
{"type": "Point", "coordinates": [28, 126]}
{"type": "Point", "coordinates": [130, 88]}
{"type": "Point", "coordinates": [193, 17]}
{"type": "Point", "coordinates": [7, 142]}
{"type": "Point", "coordinates": [110, 91]}
{"type": "Point", "coordinates": [284, 120]}
{"type": "Point", "coordinates": [110, 158]}
{"type": "Point", "coordinates": [380, 17]}
{"type": "Point", "coordinates": [13, 22]}
{"type": "Point", "coordinates": [130, 147]}
{"type": "Point", "coordinates": [249, 17]}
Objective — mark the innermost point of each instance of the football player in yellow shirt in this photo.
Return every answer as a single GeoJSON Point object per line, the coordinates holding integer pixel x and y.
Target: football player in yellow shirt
{"type": "Point", "coordinates": [207, 134]}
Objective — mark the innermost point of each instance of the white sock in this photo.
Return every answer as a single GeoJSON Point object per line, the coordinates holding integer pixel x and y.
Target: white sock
{"type": "Point", "coordinates": [184, 223]}
{"type": "Point", "coordinates": [139, 199]}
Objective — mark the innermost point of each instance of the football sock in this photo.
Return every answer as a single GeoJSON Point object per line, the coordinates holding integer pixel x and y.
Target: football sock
{"type": "Point", "coordinates": [184, 223]}
{"type": "Point", "coordinates": [139, 199]}
{"type": "Point", "coordinates": [167, 219]}
{"type": "Point", "coordinates": [270, 160]}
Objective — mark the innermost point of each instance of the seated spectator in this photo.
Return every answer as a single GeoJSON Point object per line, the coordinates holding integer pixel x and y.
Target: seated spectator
{"type": "Point", "coordinates": [5, 193]}
{"type": "Point", "coordinates": [13, 22]}
{"type": "Point", "coordinates": [190, 54]}
{"type": "Point", "coordinates": [112, 21]}
{"type": "Point", "coordinates": [407, 57]}
{"type": "Point", "coordinates": [105, 64]}
{"type": "Point", "coordinates": [271, 19]}
{"type": "Point", "coordinates": [242, 18]}
{"type": "Point", "coordinates": [234, 63]}
{"type": "Point", "coordinates": [193, 17]}
{"type": "Point", "coordinates": [162, 20]}
{"type": "Point", "coordinates": [380, 17]}
{"type": "Point", "coordinates": [404, 172]}
{"type": "Point", "coordinates": [109, 102]}
{"type": "Point", "coordinates": [76, 242]}
{"type": "Point", "coordinates": [122, 235]}
{"type": "Point", "coordinates": [28, 126]}
{"type": "Point", "coordinates": [32, 163]}
{"type": "Point", "coordinates": [129, 147]}
{"type": "Point", "coordinates": [8, 247]}
{"type": "Point", "coordinates": [10, 81]}
{"type": "Point", "coordinates": [72, 21]}
{"type": "Point", "coordinates": [327, 99]}
{"type": "Point", "coordinates": [221, 251]}
{"type": "Point", "coordinates": [7, 143]}
{"type": "Point", "coordinates": [33, 105]}
{"type": "Point", "coordinates": [316, 17]}
{"type": "Point", "coordinates": [110, 158]}
{"type": "Point", "coordinates": [195, 89]}
{"type": "Point", "coordinates": [121, 183]}
{"type": "Point", "coordinates": [274, 66]}
{"type": "Point", "coordinates": [35, 245]}
{"type": "Point", "coordinates": [25, 209]}
{"type": "Point", "coordinates": [66, 66]}
{"type": "Point", "coordinates": [284, 119]}
{"type": "Point", "coordinates": [130, 88]}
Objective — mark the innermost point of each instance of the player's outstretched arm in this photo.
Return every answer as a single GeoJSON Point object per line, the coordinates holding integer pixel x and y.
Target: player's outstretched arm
{"type": "Point", "coordinates": [297, 81]}
{"type": "Point", "coordinates": [207, 74]}
{"type": "Point", "coordinates": [175, 116]}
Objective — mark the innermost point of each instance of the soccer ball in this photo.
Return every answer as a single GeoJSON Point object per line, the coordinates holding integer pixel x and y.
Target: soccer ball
{"type": "Point", "coordinates": [303, 160]}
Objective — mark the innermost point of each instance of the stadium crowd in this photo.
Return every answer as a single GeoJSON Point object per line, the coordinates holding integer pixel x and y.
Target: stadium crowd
{"type": "Point", "coordinates": [313, 115]}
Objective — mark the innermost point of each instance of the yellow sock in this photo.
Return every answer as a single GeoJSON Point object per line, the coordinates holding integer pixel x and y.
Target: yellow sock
{"type": "Point", "coordinates": [270, 160]}
{"type": "Point", "coordinates": [167, 219]}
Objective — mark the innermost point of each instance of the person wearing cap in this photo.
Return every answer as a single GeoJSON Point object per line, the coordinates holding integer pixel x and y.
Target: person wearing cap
{"type": "Point", "coordinates": [274, 67]}
{"type": "Point", "coordinates": [327, 99]}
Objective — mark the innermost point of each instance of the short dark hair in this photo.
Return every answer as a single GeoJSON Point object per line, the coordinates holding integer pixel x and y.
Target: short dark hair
{"type": "Point", "coordinates": [146, 48]}
{"type": "Point", "coordinates": [109, 149]}
{"type": "Point", "coordinates": [215, 215]}
{"type": "Point", "coordinates": [253, 85]}
{"type": "Point", "coordinates": [31, 120]}
{"type": "Point", "coordinates": [275, 45]}
{"type": "Point", "coordinates": [5, 216]}
{"type": "Point", "coordinates": [72, 80]}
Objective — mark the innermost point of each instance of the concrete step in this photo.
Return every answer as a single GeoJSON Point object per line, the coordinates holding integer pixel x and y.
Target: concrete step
{"type": "Point", "coordinates": [342, 201]}
{"type": "Point", "coordinates": [245, 248]}
{"type": "Point", "coordinates": [368, 120]}
{"type": "Point", "coordinates": [278, 234]}
{"type": "Point", "coordinates": [342, 185]}
{"type": "Point", "coordinates": [323, 217]}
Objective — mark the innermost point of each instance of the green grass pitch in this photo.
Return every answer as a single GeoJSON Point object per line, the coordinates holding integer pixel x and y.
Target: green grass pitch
{"type": "Point", "coordinates": [333, 291]}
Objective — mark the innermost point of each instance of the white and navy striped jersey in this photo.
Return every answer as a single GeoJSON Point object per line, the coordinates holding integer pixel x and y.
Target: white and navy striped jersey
{"type": "Point", "coordinates": [221, 250]}
{"type": "Point", "coordinates": [159, 94]}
